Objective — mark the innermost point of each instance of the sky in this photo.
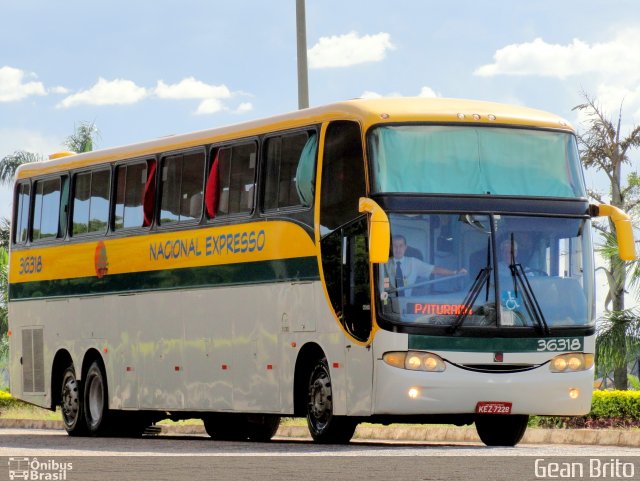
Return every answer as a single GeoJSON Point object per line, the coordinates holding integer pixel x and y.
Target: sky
{"type": "Point", "coordinates": [143, 69]}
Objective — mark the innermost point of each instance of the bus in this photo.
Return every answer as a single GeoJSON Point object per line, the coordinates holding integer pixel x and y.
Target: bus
{"type": "Point", "coordinates": [387, 260]}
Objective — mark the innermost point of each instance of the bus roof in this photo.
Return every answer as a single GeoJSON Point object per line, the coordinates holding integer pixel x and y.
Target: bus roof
{"type": "Point", "coordinates": [367, 111]}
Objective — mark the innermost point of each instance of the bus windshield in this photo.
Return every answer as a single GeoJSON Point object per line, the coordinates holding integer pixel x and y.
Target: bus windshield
{"type": "Point", "coordinates": [496, 271]}
{"type": "Point", "coordinates": [475, 160]}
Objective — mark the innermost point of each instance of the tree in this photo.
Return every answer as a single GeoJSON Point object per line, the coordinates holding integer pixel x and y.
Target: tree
{"type": "Point", "coordinates": [82, 138]}
{"type": "Point", "coordinates": [604, 147]}
{"type": "Point", "coordinates": [10, 163]}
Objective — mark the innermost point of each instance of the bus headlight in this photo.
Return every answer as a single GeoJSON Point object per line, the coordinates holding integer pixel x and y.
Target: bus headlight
{"type": "Point", "coordinates": [414, 361]}
{"type": "Point", "coordinates": [573, 362]}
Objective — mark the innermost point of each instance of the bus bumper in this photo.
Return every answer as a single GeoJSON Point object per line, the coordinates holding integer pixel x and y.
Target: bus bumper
{"type": "Point", "coordinates": [458, 391]}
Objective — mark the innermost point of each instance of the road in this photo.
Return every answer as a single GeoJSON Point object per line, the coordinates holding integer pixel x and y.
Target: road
{"type": "Point", "coordinates": [198, 457]}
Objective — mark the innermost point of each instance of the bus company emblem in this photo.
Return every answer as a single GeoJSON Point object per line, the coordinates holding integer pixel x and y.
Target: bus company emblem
{"type": "Point", "coordinates": [101, 261]}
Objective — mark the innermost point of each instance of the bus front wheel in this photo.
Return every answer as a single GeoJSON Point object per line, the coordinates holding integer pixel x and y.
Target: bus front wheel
{"type": "Point", "coordinates": [324, 427]}
{"type": "Point", "coordinates": [501, 430]}
{"type": "Point", "coordinates": [71, 403]}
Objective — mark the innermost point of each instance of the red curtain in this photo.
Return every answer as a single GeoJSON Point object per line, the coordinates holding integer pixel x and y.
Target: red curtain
{"type": "Point", "coordinates": [211, 194]}
{"type": "Point", "coordinates": [148, 199]}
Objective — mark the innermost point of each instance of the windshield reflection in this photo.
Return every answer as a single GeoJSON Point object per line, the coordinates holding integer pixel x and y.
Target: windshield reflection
{"type": "Point", "coordinates": [448, 270]}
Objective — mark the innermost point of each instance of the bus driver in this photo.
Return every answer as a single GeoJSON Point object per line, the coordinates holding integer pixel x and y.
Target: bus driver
{"type": "Point", "coordinates": [404, 270]}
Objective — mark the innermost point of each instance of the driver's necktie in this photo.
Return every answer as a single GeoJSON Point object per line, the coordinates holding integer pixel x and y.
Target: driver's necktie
{"type": "Point", "coordinates": [399, 279]}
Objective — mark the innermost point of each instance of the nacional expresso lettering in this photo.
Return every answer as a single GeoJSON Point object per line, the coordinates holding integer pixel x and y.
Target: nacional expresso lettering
{"type": "Point", "coordinates": [211, 245]}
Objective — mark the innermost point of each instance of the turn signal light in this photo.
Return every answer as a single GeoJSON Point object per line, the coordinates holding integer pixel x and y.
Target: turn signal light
{"type": "Point", "coordinates": [414, 361]}
{"type": "Point", "coordinates": [573, 362]}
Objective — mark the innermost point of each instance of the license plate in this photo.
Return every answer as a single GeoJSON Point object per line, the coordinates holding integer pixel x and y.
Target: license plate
{"type": "Point", "coordinates": [493, 407]}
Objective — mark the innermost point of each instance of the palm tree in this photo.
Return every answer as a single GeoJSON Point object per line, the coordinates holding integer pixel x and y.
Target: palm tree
{"type": "Point", "coordinates": [10, 163]}
{"type": "Point", "coordinates": [604, 147]}
{"type": "Point", "coordinates": [617, 344]}
{"type": "Point", "coordinates": [82, 138]}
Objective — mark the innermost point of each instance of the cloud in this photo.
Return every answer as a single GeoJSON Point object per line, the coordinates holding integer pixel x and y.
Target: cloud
{"type": "Point", "coordinates": [244, 107]}
{"type": "Point", "coordinates": [428, 92]}
{"type": "Point", "coordinates": [425, 91]}
{"type": "Point", "coordinates": [59, 90]}
{"type": "Point", "coordinates": [608, 70]}
{"type": "Point", "coordinates": [190, 88]}
{"type": "Point", "coordinates": [12, 139]}
{"type": "Point", "coordinates": [13, 86]}
{"type": "Point", "coordinates": [210, 106]}
{"type": "Point", "coordinates": [350, 49]}
{"type": "Point", "coordinates": [107, 92]}
{"type": "Point", "coordinates": [367, 94]}
{"type": "Point", "coordinates": [616, 57]}
{"type": "Point", "coordinates": [126, 92]}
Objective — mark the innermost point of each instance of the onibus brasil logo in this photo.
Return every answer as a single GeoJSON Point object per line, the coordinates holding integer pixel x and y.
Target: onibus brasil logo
{"type": "Point", "coordinates": [35, 469]}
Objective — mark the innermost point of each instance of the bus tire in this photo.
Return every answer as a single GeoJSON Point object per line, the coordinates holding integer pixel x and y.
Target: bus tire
{"type": "Point", "coordinates": [263, 428]}
{"type": "Point", "coordinates": [95, 400]}
{"type": "Point", "coordinates": [71, 403]}
{"type": "Point", "coordinates": [501, 430]}
{"type": "Point", "coordinates": [128, 425]}
{"type": "Point", "coordinates": [324, 427]}
{"type": "Point", "coordinates": [226, 427]}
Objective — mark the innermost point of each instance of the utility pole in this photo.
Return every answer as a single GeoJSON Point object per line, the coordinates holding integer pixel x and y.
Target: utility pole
{"type": "Point", "coordinates": [303, 77]}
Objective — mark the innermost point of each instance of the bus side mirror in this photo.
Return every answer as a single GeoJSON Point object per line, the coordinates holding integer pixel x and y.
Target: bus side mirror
{"type": "Point", "coordinates": [379, 231]}
{"type": "Point", "coordinates": [624, 229]}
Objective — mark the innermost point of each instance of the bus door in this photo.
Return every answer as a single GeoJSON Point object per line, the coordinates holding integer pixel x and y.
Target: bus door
{"type": "Point", "coordinates": [345, 259]}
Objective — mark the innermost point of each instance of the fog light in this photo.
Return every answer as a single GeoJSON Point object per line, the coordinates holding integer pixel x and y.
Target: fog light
{"type": "Point", "coordinates": [413, 393]}
{"type": "Point", "coordinates": [574, 393]}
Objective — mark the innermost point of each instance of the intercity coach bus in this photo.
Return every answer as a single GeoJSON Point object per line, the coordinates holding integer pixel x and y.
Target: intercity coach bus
{"type": "Point", "coordinates": [388, 260]}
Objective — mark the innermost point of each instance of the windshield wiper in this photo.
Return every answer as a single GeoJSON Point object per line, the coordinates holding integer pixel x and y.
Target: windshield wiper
{"type": "Point", "coordinates": [530, 300]}
{"type": "Point", "coordinates": [531, 304]}
{"type": "Point", "coordinates": [480, 281]}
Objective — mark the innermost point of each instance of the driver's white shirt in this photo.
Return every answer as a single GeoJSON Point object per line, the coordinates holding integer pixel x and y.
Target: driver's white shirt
{"type": "Point", "coordinates": [412, 268]}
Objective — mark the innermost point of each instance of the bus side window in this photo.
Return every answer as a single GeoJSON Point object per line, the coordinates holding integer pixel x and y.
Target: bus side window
{"type": "Point", "coordinates": [21, 222]}
{"type": "Point", "coordinates": [90, 202]}
{"type": "Point", "coordinates": [290, 167]}
{"type": "Point", "coordinates": [46, 210]}
{"type": "Point", "coordinates": [343, 177]}
{"type": "Point", "coordinates": [182, 185]}
{"type": "Point", "coordinates": [135, 195]}
{"type": "Point", "coordinates": [236, 177]}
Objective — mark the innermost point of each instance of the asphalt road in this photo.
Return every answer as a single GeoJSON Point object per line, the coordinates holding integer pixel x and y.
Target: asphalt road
{"type": "Point", "coordinates": [46, 453]}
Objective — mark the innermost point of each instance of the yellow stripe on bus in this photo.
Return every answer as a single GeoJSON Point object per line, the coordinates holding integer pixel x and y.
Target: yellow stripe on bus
{"type": "Point", "coordinates": [230, 244]}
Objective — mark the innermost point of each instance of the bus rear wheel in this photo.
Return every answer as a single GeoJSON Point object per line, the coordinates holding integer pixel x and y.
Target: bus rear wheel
{"type": "Point", "coordinates": [501, 430]}
{"type": "Point", "coordinates": [324, 427]}
{"type": "Point", "coordinates": [72, 403]}
{"type": "Point", "coordinates": [95, 400]}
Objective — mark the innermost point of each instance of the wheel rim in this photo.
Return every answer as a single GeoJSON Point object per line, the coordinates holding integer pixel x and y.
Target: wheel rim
{"type": "Point", "coordinates": [320, 400]}
{"type": "Point", "coordinates": [95, 400]}
{"type": "Point", "coordinates": [70, 399]}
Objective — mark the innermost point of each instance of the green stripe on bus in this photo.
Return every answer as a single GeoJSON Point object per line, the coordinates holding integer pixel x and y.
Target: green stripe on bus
{"type": "Point", "coordinates": [496, 344]}
{"type": "Point", "coordinates": [281, 270]}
